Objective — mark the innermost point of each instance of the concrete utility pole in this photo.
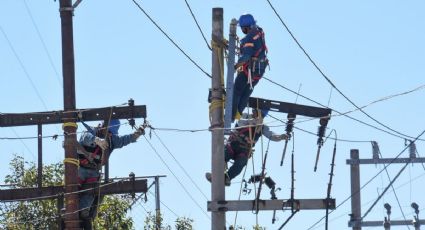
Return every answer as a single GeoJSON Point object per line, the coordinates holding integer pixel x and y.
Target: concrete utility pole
{"type": "Point", "coordinates": [230, 76]}
{"type": "Point", "coordinates": [69, 126]}
{"type": "Point", "coordinates": [218, 217]}
{"type": "Point", "coordinates": [157, 204]}
{"type": "Point", "coordinates": [356, 221]}
{"type": "Point", "coordinates": [356, 210]}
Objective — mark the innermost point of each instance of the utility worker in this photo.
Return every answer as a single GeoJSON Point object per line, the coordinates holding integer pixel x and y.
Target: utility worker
{"type": "Point", "coordinates": [93, 145]}
{"type": "Point", "coordinates": [251, 64]}
{"type": "Point", "coordinates": [240, 144]}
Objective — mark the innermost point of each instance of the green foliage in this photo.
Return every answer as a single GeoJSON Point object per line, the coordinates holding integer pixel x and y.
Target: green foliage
{"type": "Point", "coordinates": [42, 214]}
{"type": "Point", "coordinates": [182, 223]}
{"type": "Point", "coordinates": [112, 213]}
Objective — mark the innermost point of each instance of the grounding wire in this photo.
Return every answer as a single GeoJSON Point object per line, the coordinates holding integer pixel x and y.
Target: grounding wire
{"type": "Point", "coordinates": [170, 39]}
{"type": "Point", "coordinates": [328, 80]}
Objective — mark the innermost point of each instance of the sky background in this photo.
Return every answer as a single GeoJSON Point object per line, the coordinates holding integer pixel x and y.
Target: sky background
{"type": "Point", "coordinates": [368, 49]}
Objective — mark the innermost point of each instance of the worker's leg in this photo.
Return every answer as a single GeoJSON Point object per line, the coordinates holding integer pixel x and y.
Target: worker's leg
{"type": "Point", "coordinates": [244, 99]}
{"type": "Point", "coordinates": [86, 200]}
{"type": "Point", "coordinates": [238, 165]}
{"type": "Point", "coordinates": [238, 89]}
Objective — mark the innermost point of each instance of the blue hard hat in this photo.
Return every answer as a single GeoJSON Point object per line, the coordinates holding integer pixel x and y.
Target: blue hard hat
{"type": "Point", "coordinates": [114, 126]}
{"type": "Point", "coordinates": [246, 20]}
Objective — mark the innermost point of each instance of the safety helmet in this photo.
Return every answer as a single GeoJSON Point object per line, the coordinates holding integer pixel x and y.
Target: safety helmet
{"type": "Point", "coordinates": [246, 20]}
{"type": "Point", "coordinates": [114, 126]}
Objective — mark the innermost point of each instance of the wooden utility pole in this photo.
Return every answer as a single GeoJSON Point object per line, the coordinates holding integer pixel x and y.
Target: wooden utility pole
{"type": "Point", "coordinates": [69, 126]}
{"type": "Point", "coordinates": [218, 217]}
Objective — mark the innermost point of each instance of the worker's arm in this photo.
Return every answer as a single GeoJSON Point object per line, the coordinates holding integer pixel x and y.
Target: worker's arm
{"type": "Point", "coordinates": [273, 136]}
{"type": "Point", "coordinates": [247, 50]}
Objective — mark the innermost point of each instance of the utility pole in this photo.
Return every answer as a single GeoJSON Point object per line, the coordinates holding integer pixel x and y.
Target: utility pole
{"type": "Point", "coordinates": [218, 217]}
{"type": "Point", "coordinates": [356, 220]}
{"type": "Point", "coordinates": [157, 204]}
{"type": "Point", "coordinates": [70, 127]}
{"type": "Point", "coordinates": [230, 76]}
{"type": "Point", "coordinates": [356, 211]}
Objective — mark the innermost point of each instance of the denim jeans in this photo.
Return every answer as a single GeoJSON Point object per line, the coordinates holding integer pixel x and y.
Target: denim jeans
{"type": "Point", "coordinates": [241, 92]}
{"type": "Point", "coordinates": [87, 175]}
{"type": "Point", "coordinates": [240, 159]}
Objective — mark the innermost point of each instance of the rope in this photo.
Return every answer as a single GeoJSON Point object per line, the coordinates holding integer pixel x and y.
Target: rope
{"type": "Point", "coordinates": [69, 124]}
{"type": "Point", "coordinates": [72, 161]}
{"type": "Point", "coordinates": [218, 103]}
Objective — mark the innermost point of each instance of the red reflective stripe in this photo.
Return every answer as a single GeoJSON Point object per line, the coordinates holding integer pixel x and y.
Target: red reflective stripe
{"type": "Point", "coordinates": [250, 44]}
{"type": "Point", "coordinates": [91, 179]}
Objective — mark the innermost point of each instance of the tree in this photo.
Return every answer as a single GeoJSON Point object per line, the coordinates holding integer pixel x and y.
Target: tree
{"type": "Point", "coordinates": [181, 223]}
{"type": "Point", "coordinates": [43, 214]}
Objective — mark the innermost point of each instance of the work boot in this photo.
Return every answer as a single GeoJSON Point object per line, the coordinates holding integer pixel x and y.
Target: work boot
{"type": "Point", "coordinates": [226, 179]}
{"type": "Point", "coordinates": [238, 116]}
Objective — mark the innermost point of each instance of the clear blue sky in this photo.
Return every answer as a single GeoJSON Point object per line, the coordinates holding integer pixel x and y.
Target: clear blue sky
{"type": "Point", "coordinates": [368, 49]}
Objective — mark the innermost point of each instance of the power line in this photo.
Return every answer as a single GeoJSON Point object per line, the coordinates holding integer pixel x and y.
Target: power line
{"type": "Point", "coordinates": [352, 118]}
{"type": "Point", "coordinates": [43, 43]}
{"type": "Point", "coordinates": [177, 179]}
{"type": "Point", "coordinates": [181, 167]}
{"type": "Point", "coordinates": [171, 40]}
{"type": "Point", "coordinates": [197, 24]}
{"type": "Point", "coordinates": [327, 79]}
{"type": "Point", "coordinates": [23, 67]}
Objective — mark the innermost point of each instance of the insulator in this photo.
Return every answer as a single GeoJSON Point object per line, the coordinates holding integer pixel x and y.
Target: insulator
{"type": "Point", "coordinates": [412, 150]}
{"type": "Point", "coordinates": [375, 150]}
{"type": "Point", "coordinates": [255, 179]}
{"type": "Point", "coordinates": [269, 182]}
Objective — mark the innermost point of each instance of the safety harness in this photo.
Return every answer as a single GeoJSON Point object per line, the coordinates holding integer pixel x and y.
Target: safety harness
{"type": "Point", "coordinates": [249, 67]}
{"type": "Point", "coordinates": [241, 140]}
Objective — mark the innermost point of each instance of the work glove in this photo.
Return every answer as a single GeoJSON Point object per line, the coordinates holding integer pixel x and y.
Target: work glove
{"type": "Point", "coordinates": [101, 143]}
{"type": "Point", "coordinates": [239, 66]}
{"type": "Point", "coordinates": [281, 137]}
{"type": "Point", "coordinates": [140, 131]}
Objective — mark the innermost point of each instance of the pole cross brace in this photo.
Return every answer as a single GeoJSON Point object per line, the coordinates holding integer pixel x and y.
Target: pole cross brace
{"type": "Point", "coordinates": [358, 223]}
{"type": "Point", "coordinates": [385, 161]}
{"type": "Point", "coordinates": [271, 205]}
{"type": "Point", "coordinates": [286, 107]}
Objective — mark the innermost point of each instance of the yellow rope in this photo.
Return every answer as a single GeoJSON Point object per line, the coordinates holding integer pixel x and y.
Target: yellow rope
{"type": "Point", "coordinates": [72, 161]}
{"type": "Point", "coordinates": [219, 103]}
{"type": "Point", "coordinates": [69, 124]}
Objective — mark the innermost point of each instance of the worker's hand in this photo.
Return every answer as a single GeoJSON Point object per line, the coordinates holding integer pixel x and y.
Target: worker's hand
{"type": "Point", "coordinates": [140, 131]}
{"type": "Point", "coordinates": [239, 66]}
{"type": "Point", "coordinates": [282, 137]}
{"type": "Point", "coordinates": [101, 143]}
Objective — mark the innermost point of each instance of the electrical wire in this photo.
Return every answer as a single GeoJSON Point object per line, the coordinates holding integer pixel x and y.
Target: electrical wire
{"type": "Point", "coordinates": [328, 80]}
{"type": "Point", "coordinates": [181, 167]}
{"type": "Point", "coordinates": [395, 194]}
{"type": "Point", "coordinates": [170, 39]}
{"type": "Point", "coordinates": [177, 179]}
{"type": "Point", "coordinates": [23, 67]}
{"type": "Point", "coordinates": [197, 24]}
{"type": "Point", "coordinates": [352, 118]}
{"type": "Point", "coordinates": [43, 43]}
